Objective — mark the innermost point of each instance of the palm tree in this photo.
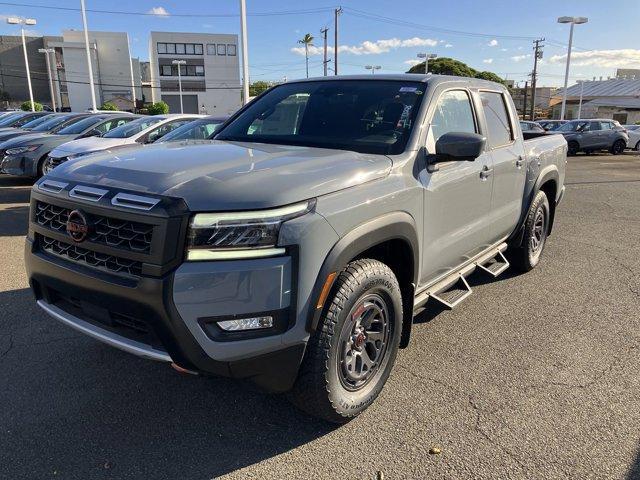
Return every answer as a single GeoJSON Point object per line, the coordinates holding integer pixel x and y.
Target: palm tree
{"type": "Point", "coordinates": [307, 41]}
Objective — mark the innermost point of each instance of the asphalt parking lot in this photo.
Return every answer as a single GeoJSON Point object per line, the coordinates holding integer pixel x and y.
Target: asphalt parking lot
{"type": "Point", "coordinates": [534, 376]}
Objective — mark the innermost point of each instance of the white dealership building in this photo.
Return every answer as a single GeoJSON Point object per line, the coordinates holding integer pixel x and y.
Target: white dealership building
{"type": "Point", "coordinates": [210, 73]}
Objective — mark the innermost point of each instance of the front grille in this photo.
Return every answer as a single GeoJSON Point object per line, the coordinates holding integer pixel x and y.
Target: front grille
{"type": "Point", "coordinates": [53, 162]}
{"type": "Point", "coordinates": [102, 261]}
{"type": "Point", "coordinates": [123, 234]}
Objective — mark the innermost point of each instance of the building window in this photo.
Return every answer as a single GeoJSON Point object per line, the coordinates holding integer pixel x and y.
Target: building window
{"type": "Point", "coordinates": [171, 48]}
{"type": "Point", "coordinates": [231, 50]}
{"type": "Point", "coordinates": [222, 49]}
{"type": "Point", "coordinates": [162, 48]}
{"type": "Point", "coordinates": [199, 71]}
{"type": "Point", "coordinates": [166, 70]}
{"type": "Point", "coordinates": [211, 48]}
{"type": "Point", "coordinates": [189, 49]}
{"type": "Point", "coordinates": [198, 47]}
{"type": "Point", "coordinates": [180, 48]}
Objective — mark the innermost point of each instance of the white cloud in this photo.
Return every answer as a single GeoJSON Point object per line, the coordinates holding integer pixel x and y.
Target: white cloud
{"type": "Point", "coordinates": [159, 11]}
{"type": "Point", "coordinates": [504, 49]}
{"type": "Point", "coordinates": [412, 62]}
{"type": "Point", "coordinates": [372, 48]}
{"type": "Point", "coordinates": [448, 45]}
{"type": "Point", "coordinates": [519, 58]}
{"type": "Point", "coordinates": [492, 43]}
{"type": "Point", "coordinates": [623, 58]}
{"type": "Point", "coordinates": [487, 60]}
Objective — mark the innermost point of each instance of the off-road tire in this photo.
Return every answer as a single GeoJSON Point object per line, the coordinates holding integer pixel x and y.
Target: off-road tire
{"type": "Point", "coordinates": [320, 387]}
{"type": "Point", "coordinates": [524, 257]}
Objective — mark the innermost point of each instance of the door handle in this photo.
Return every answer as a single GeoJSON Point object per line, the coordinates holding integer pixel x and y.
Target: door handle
{"type": "Point", "coordinates": [485, 172]}
{"type": "Point", "coordinates": [519, 162]}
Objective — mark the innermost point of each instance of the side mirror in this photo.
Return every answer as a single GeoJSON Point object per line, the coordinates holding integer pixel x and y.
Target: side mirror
{"type": "Point", "coordinates": [459, 146]}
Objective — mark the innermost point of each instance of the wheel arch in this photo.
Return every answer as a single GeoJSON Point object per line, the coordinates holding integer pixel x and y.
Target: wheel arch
{"type": "Point", "coordinates": [391, 238]}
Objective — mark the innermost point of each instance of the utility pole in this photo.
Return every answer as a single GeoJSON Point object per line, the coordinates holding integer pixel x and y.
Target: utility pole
{"type": "Point", "coordinates": [536, 56]}
{"type": "Point", "coordinates": [336, 13]}
{"type": "Point", "coordinates": [245, 52]}
{"type": "Point", "coordinates": [86, 46]}
{"type": "Point", "coordinates": [323, 31]}
{"type": "Point", "coordinates": [46, 52]}
{"type": "Point", "coordinates": [179, 64]}
{"type": "Point", "coordinates": [524, 106]}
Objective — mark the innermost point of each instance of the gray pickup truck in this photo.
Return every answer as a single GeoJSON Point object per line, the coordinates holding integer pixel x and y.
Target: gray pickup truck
{"type": "Point", "coordinates": [294, 248]}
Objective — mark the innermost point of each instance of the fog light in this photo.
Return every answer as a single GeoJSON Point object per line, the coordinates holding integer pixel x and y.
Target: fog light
{"type": "Point", "coordinates": [240, 324]}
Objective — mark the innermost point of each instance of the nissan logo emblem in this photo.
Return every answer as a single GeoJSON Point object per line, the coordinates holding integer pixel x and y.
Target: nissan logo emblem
{"type": "Point", "coordinates": [77, 226]}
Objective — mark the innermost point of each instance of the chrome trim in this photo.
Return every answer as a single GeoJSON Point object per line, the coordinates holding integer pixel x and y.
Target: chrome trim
{"type": "Point", "coordinates": [52, 186]}
{"type": "Point", "coordinates": [87, 193]}
{"type": "Point", "coordinates": [138, 202]}
{"type": "Point", "coordinates": [131, 346]}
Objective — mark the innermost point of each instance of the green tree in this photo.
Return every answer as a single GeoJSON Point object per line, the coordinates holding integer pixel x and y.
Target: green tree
{"type": "Point", "coordinates": [26, 106]}
{"type": "Point", "coordinates": [450, 66]}
{"type": "Point", "coordinates": [307, 41]}
{"type": "Point", "coordinates": [108, 106]}
{"type": "Point", "coordinates": [158, 108]}
{"type": "Point", "coordinates": [256, 88]}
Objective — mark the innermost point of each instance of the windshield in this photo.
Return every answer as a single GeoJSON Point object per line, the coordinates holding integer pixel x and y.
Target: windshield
{"type": "Point", "coordinates": [196, 130]}
{"type": "Point", "coordinates": [366, 116]}
{"type": "Point", "coordinates": [572, 127]}
{"type": "Point", "coordinates": [80, 126]}
{"type": "Point", "coordinates": [132, 128]}
{"type": "Point", "coordinates": [52, 123]}
{"type": "Point", "coordinates": [5, 122]}
{"type": "Point", "coordinates": [34, 123]}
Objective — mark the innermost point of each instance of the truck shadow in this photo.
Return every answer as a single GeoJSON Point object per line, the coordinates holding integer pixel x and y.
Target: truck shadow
{"type": "Point", "coordinates": [85, 410]}
{"type": "Point", "coordinates": [634, 471]}
{"type": "Point", "coordinates": [14, 220]}
{"type": "Point", "coordinates": [14, 189]}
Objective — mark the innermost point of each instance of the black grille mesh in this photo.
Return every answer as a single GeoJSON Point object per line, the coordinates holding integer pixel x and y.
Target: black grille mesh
{"type": "Point", "coordinates": [90, 258]}
{"type": "Point", "coordinates": [126, 235]}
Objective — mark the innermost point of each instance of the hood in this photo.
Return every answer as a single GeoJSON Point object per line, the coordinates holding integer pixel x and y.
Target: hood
{"type": "Point", "coordinates": [31, 138]}
{"type": "Point", "coordinates": [88, 144]}
{"type": "Point", "coordinates": [216, 176]}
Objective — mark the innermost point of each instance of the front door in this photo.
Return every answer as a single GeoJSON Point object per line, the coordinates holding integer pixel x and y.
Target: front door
{"type": "Point", "coordinates": [457, 197]}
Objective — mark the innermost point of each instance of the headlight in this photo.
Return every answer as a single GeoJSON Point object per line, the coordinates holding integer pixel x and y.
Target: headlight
{"type": "Point", "coordinates": [81, 154]}
{"type": "Point", "coordinates": [20, 150]}
{"type": "Point", "coordinates": [221, 236]}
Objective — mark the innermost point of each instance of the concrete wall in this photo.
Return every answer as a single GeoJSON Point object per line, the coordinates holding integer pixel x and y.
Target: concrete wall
{"type": "Point", "coordinates": [218, 92]}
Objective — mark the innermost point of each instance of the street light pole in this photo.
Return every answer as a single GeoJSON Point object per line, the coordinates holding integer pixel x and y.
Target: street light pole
{"type": "Point", "coordinates": [245, 52]}
{"type": "Point", "coordinates": [373, 68]}
{"type": "Point", "coordinates": [426, 57]}
{"type": "Point", "coordinates": [133, 84]}
{"type": "Point", "coordinates": [46, 52]}
{"type": "Point", "coordinates": [86, 46]}
{"type": "Point", "coordinates": [22, 22]}
{"type": "Point", "coordinates": [580, 103]}
{"type": "Point", "coordinates": [179, 63]}
{"type": "Point", "coordinates": [573, 21]}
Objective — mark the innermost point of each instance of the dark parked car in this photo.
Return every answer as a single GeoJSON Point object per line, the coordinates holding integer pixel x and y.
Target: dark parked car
{"type": "Point", "coordinates": [594, 134]}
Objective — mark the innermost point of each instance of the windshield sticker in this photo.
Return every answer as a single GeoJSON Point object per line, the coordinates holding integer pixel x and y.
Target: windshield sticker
{"type": "Point", "coordinates": [408, 89]}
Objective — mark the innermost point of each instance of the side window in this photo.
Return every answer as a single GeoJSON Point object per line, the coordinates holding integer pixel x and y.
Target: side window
{"type": "Point", "coordinates": [594, 126]}
{"type": "Point", "coordinates": [606, 125]}
{"type": "Point", "coordinates": [499, 129]}
{"type": "Point", "coordinates": [453, 114]}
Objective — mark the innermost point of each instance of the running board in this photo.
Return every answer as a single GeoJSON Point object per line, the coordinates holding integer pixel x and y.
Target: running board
{"type": "Point", "coordinates": [451, 290]}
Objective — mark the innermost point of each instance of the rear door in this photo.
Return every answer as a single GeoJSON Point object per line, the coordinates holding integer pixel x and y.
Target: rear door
{"type": "Point", "coordinates": [509, 167]}
{"type": "Point", "coordinates": [457, 198]}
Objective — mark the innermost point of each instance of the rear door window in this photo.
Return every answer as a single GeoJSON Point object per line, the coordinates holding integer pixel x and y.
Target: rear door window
{"type": "Point", "coordinates": [499, 128]}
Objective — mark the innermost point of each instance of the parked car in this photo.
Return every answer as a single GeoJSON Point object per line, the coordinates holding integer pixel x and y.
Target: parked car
{"type": "Point", "coordinates": [46, 123]}
{"type": "Point", "coordinates": [26, 155]}
{"type": "Point", "coordinates": [633, 131]}
{"type": "Point", "coordinates": [18, 119]}
{"type": "Point", "coordinates": [533, 127]}
{"type": "Point", "coordinates": [594, 134]}
{"type": "Point", "coordinates": [294, 249]}
{"type": "Point", "coordinates": [143, 130]}
{"type": "Point", "coordinates": [200, 129]}
{"type": "Point", "coordinates": [550, 125]}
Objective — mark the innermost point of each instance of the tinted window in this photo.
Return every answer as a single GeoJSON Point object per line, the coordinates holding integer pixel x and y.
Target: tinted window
{"type": "Point", "coordinates": [80, 126]}
{"type": "Point", "coordinates": [10, 119]}
{"type": "Point", "coordinates": [453, 114]}
{"type": "Point", "coordinates": [498, 123]}
{"type": "Point", "coordinates": [132, 128]}
{"type": "Point", "coordinates": [198, 130]}
{"type": "Point", "coordinates": [574, 127]}
{"type": "Point", "coordinates": [364, 116]}
{"type": "Point", "coordinates": [54, 123]}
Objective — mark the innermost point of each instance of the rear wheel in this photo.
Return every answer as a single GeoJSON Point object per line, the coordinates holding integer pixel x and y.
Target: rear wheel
{"type": "Point", "coordinates": [526, 256]}
{"type": "Point", "coordinates": [572, 148]}
{"type": "Point", "coordinates": [618, 147]}
{"type": "Point", "coordinates": [637, 147]}
{"type": "Point", "coordinates": [352, 352]}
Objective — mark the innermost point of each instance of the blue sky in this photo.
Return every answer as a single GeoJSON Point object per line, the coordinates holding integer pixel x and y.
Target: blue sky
{"type": "Point", "coordinates": [488, 35]}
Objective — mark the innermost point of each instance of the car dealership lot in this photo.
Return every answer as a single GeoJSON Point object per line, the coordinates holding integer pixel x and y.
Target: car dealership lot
{"type": "Point", "coordinates": [534, 376]}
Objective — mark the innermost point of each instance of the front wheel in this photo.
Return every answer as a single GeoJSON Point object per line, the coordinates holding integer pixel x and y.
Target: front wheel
{"type": "Point", "coordinates": [352, 352]}
{"type": "Point", "coordinates": [618, 147]}
{"type": "Point", "coordinates": [526, 256]}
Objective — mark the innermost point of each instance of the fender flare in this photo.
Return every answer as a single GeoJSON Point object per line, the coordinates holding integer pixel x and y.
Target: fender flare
{"type": "Point", "coordinates": [391, 226]}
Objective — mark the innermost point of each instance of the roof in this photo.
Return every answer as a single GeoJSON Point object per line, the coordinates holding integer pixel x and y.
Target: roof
{"type": "Point", "coordinates": [615, 102]}
{"type": "Point", "coordinates": [411, 77]}
{"type": "Point", "coordinates": [615, 87]}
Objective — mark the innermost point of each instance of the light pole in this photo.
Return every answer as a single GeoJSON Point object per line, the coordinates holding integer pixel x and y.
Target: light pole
{"type": "Point", "coordinates": [46, 52]}
{"type": "Point", "coordinates": [133, 83]}
{"type": "Point", "coordinates": [22, 22]}
{"type": "Point", "coordinates": [86, 46]}
{"type": "Point", "coordinates": [179, 63]}
{"type": "Point", "coordinates": [580, 103]}
{"type": "Point", "coordinates": [245, 52]}
{"type": "Point", "coordinates": [426, 57]}
{"type": "Point", "coordinates": [573, 21]}
{"type": "Point", "coordinates": [373, 68]}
